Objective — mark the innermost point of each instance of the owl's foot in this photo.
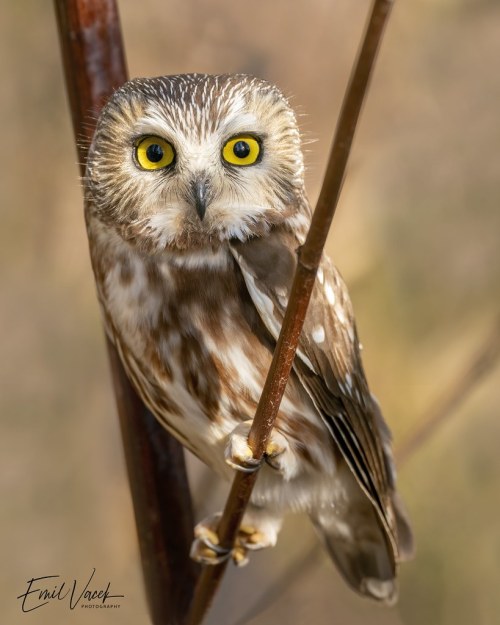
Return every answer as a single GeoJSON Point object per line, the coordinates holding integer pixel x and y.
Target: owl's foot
{"type": "Point", "coordinates": [239, 456]}
{"type": "Point", "coordinates": [259, 530]}
{"type": "Point", "coordinates": [207, 550]}
{"type": "Point", "coordinates": [206, 547]}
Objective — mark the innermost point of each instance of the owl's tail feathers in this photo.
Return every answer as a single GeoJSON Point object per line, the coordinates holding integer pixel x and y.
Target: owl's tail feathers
{"type": "Point", "coordinates": [359, 547]}
{"type": "Point", "coordinates": [361, 552]}
{"type": "Point", "coordinates": [406, 543]}
{"type": "Point", "coordinates": [358, 544]}
{"type": "Point", "coordinates": [406, 546]}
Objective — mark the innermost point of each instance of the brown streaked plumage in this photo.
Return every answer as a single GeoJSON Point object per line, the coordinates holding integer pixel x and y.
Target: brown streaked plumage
{"type": "Point", "coordinates": [193, 243]}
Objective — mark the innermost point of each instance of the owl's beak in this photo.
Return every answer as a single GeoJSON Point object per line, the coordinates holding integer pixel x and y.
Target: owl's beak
{"type": "Point", "coordinates": [199, 190]}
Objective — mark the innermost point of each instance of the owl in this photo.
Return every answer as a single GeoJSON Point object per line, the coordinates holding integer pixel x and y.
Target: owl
{"type": "Point", "coordinates": [195, 210]}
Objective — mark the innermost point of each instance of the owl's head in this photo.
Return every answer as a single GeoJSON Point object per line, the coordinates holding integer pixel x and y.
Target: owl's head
{"type": "Point", "coordinates": [181, 162]}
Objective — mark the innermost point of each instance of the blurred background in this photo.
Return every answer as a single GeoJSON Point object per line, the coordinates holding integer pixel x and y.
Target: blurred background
{"type": "Point", "coordinates": [417, 237]}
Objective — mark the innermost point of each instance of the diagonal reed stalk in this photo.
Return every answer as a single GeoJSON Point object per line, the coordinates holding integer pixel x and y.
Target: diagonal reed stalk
{"type": "Point", "coordinates": [308, 261]}
{"type": "Point", "coordinates": [94, 64]}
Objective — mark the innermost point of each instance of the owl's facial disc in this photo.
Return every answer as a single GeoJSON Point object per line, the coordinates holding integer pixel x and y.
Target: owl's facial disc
{"type": "Point", "coordinates": [186, 162]}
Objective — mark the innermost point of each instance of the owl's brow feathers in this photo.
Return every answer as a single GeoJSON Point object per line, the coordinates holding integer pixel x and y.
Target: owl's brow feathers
{"type": "Point", "coordinates": [197, 106]}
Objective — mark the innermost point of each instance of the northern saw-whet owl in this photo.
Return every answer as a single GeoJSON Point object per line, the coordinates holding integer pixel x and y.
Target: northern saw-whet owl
{"type": "Point", "coordinates": [195, 208]}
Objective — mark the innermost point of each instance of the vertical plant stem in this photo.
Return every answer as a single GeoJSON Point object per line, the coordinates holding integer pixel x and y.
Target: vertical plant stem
{"type": "Point", "coordinates": [308, 261]}
{"type": "Point", "coordinates": [94, 64]}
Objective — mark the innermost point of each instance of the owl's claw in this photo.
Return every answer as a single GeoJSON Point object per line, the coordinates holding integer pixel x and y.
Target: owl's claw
{"type": "Point", "coordinates": [206, 532]}
{"type": "Point", "coordinates": [249, 465]}
{"type": "Point", "coordinates": [253, 539]}
{"type": "Point", "coordinates": [202, 553]}
{"type": "Point", "coordinates": [239, 456]}
{"type": "Point", "coordinates": [207, 550]}
{"type": "Point", "coordinates": [275, 451]}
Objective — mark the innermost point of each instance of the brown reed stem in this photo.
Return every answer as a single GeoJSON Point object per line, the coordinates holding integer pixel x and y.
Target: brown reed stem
{"type": "Point", "coordinates": [94, 64]}
{"type": "Point", "coordinates": [308, 261]}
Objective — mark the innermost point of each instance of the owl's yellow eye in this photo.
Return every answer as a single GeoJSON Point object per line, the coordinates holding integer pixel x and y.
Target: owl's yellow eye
{"type": "Point", "coordinates": [154, 153]}
{"type": "Point", "coordinates": [241, 150]}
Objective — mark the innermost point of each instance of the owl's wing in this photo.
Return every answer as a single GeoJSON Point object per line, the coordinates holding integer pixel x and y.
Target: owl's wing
{"type": "Point", "coordinates": [328, 361]}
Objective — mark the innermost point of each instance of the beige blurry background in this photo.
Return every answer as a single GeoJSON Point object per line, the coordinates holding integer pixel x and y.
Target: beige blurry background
{"type": "Point", "coordinates": [416, 236]}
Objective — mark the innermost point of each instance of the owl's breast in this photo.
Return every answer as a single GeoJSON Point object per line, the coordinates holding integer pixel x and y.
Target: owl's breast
{"type": "Point", "coordinates": [193, 344]}
{"type": "Point", "coordinates": [187, 333]}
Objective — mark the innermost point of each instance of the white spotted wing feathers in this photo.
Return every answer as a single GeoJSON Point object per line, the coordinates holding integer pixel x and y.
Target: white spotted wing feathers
{"type": "Point", "coordinates": [328, 362]}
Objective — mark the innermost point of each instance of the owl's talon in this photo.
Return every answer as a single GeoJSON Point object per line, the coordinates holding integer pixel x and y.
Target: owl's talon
{"type": "Point", "coordinates": [247, 530]}
{"type": "Point", "coordinates": [274, 450]}
{"type": "Point", "coordinates": [244, 467]}
{"type": "Point", "coordinates": [206, 548]}
{"type": "Point", "coordinates": [240, 556]}
{"type": "Point", "coordinates": [252, 539]}
{"type": "Point", "coordinates": [238, 454]}
{"type": "Point", "coordinates": [211, 555]}
{"type": "Point", "coordinates": [255, 540]}
{"type": "Point", "coordinates": [206, 533]}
